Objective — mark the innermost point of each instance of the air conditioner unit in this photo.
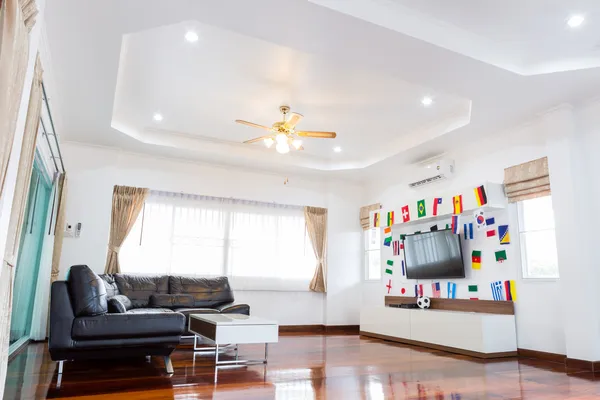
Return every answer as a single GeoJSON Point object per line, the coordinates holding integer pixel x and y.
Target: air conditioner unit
{"type": "Point", "coordinates": [434, 171]}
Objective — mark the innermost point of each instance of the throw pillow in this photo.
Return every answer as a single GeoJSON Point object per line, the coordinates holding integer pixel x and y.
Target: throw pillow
{"type": "Point", "coordinates": [88, 292]}
{"type": "Point", "coordinates": [119, 304]}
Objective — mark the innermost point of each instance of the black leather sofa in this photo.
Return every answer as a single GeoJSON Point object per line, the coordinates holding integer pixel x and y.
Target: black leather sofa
{"type": "Point", "coordinates": [115, 316]}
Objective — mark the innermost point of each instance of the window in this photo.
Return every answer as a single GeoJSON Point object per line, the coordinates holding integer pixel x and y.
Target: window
{"type": "Point", "coordinates": [537, 238]}
{"type": "Point", "coordinates": [259, 245]}
{"type": "Point", "coordinates": [372, 254]}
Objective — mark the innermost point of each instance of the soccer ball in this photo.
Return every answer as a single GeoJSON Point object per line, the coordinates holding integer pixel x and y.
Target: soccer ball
{"type": "Point", "coordinates": [423, 302]}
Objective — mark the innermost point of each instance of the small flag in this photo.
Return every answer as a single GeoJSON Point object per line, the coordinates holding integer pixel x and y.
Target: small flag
{"type": "Point", "coordinates": [474, 290]}
{"type": "Point", "coordinates": [497, 292]}
{"type": "Point", "coordinates": [405, 214]}
{"type": "Point", "coordinates": [416, 291]}
{"type": "Point", "coordinates": [458, 206]}
{"type": "Point", "coordinates": [420, 289]}
{"type": "Point", "coordinates": [389, 285]}
{"type": "Point", "coordinates": [468, 231]}
{"type": "Point", "coordinates": [501, 256]}
{"type": "Point", "coordinates": [403, 271]}
{"type": "Point", "coordinates": [390, 218]}
{"type": "Point", "coordinates": [401, 246]}
{"type": "Point", "coordinates": [390, 263]}
{"type": "Point", "coordinates": [436, 202]}
{"type": "Point", "coordinates": [376, 220]}
{"type": "Point", "coordinates": [455, 225]}
{"type": "Point", "coordinates": [387, 231]}
{"type": "Point", "coordinates": [389, 271]}
{"type": "Point", "coordinates": [435, 288]}
{"type": "Point", "coordinates": [491, 233]}
{"type": "Point", "coordinates": [387, 241]}
{"type": "Point", "coordinates": [402, 237]}
{"type": "Point", "coordinates": [480, 196]}
{"type": "Point", "coordinates": [479, 219]}
{"type": "Point", "coordinates": [447, 226]}
{"type": "Point", "coordinates": [396, 247]}
{"type": "Point", "coordinates": [510, 290]}
{"type": "Point", "coordinates": [451, 290]}
{"type": "Point", "coordinates": [421, 208]}
{"type": "Point", "coordinates": [403, 291]}
{"type": "Point", "coordinates": [465, 231]}
{"type": "Point", "coordinates": [490, 221]}
{"type": "Point", "coordinates": [433, 228]}
{"type": "Point", "coordinates": [476, 259]}
{"type": "Point", "coordinates": [503, 234]}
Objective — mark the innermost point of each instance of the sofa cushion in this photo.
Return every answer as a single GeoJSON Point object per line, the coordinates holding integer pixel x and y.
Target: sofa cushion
{"type": "Point", "coordinates": [149, 311]}
{"type": "Point", "coordinates": [119, 304]}
{"type": "Point", "coordinates": [171, 300]}
{"type": "Point", "coordinates": [207, 292]}
{"type": "Point", "coordinates": [128, 325]}
{"type": "Point", "coordinates": [140, 288]}
{"type": "Point", "coordinates": [111, 286]}
{"type": "Point", "coordinates": [87, 290]}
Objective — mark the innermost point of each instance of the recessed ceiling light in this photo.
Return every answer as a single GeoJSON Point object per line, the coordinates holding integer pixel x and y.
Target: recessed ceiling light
{"type": "Point", "coordinates": [337, 149]}
{"type": "Point", "coordinates": [575, 21]}
{"type": "Point", "coordinates": [191, 36]}
{"type": "Point", "coordinates": [157, 117]}
{"type": "Point", "coordinates": [427, 101]}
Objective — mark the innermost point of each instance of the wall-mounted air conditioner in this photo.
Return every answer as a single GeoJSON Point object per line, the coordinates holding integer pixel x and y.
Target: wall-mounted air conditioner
{"type": "Point", "coordinates": [433, 171]}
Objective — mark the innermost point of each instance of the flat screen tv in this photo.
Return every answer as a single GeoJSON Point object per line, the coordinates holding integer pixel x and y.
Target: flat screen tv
{"type": "Point", "coordinates": [433, 255]}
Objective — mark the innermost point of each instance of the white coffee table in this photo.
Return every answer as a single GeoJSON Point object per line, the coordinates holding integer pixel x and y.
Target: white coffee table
{"type": "Point", "coordinates": [223, 329]}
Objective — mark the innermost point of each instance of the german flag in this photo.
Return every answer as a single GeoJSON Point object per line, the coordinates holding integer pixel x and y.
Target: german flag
{"type": "Point", "coordinates": [480, 196]}
{"type": "Point", "coordinates": [376, 220]}
{"type": "Point", "coordinates": [457, 202]}
{"type": "Point", "coordinates": [390, 219]}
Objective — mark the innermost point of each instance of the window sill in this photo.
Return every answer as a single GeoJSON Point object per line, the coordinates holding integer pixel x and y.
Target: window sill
{"type": "Point", "coordinates": [539, 280]}
{"type": "Point", "coordinates": [239, 283]}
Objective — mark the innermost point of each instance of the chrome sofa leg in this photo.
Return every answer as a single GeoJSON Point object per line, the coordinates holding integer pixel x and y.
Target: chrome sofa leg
{"type": "Point", "coordinates": [168, 365]}
{"type": "Point", "coordinates": [60, 366]}
{"type": "Point", "coordinates": [60, 374]}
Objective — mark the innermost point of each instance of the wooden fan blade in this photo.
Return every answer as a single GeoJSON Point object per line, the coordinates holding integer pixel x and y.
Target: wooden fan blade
{"type": "Point", "coordinates": [293, 120]}
{"type": "Point", "coordinates": [240, 121]}
{"type": "Point", "coordinates": [258, 139]}
{"type": "Point", "coordinates": [316, 134]}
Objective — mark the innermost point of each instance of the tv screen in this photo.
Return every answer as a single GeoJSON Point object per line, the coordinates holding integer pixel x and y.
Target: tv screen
{"type": "Point", "coordinates": [433, 255]}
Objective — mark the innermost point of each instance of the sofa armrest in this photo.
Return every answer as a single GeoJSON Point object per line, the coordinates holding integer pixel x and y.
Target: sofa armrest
{"type": "Point", "coordinates": [232, 308]}
{"type": "Point", "coordinates": [61, 318]}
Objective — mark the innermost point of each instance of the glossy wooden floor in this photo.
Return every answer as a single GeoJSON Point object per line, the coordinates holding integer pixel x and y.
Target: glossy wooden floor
{"type": "Point", "coordinates": [303, 367]}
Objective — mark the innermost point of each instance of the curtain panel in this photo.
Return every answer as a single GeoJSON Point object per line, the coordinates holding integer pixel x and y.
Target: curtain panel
{"type": "Point", "coordinates": [316, 226]}
{"type": "Point", "coordinates": [365, 215]}
{"type": "Point", "coordinates": [527, 181]}
{"type": "Point", "coordinates": [126, 206]}
{"type": "Point", "coordinates": [59, 229]}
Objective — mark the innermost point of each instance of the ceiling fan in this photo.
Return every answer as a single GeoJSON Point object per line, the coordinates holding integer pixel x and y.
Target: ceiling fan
{"type": "Point", "coordinates": [284, 134]}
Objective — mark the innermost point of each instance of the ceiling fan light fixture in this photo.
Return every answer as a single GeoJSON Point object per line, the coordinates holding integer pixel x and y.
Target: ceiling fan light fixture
{"type": "Point", "coordinates": [297, 143]}
{"type": "Point", "coordinates": [282, 148]}
{"type": "Point", "coordinates": [269, 142]}
{"type": "Point", "coordinates": [281, 138]}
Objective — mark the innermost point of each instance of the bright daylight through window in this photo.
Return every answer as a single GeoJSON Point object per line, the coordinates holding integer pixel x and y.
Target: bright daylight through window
{"type": "Point", "coordinates": [537, 238]}
{"type": "Point", "coordinates": [372, 254]}
{"type": "Point", "coordinates": [258, 245]}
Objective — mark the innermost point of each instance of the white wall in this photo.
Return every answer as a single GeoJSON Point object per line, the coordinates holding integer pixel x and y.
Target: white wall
{"type": "Point", "coordinates": [93, 171]}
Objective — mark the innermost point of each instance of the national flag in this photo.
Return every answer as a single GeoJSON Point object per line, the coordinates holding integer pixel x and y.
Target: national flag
{"type": "Point", "coordinates": [401, 246]}
{"type": "Point", "coordinates": [390, 218]}
{"type": "Point", "coordinates": [403, 271]}
{"type": "Point", "coordinates": [433, 228]}
{"type": "Point", "coordinates": [396, 247]}
{"type": "Point", "coordinates": [435, 288]}
{"type": "Point", "coordinates": [405, 214]}
{"type": "Point", "coordinates": [451, 290]}
{"type": "Point", "coordinates": [421, 208]}
{"type": "Point", "coordinates": [436, 202]}
{"type": "Point", "coordinates": [403, 291]}
{"type": "Point", "coordinates": [465, 231]}
{"type": "Point", "coordinates": [510, 290]}
{"type": "Point", "coordinates": [387, 241]}
{"type": "Point", "coordinates": [497, 291]}
{"type": "Point", "coordinates": [470, 230]}
{"type": "Point", "coordinates": [389, 271]}
{"type": "Point", "coordinates": [473, 289]}
{"type": "Point", "coordinates": [420, 289]}
{"type": "Point", "coordinates": [480, 196]}
{"type": "Point", "coordinates": [455, 225]}
{"type": "Point", "coordinates": [390, 263]}
{"type": "Point", "coordinates": [389, 285]}
{"type": "Point", "coordinates": [416, 290]}
{"type": "Point", "coordinates": [447, 226]}
{"type": "Point", "coordinates": [503, 234]}
{"type": "Point", "coordinates": [402, 237]}
{"type": "Point", "coordinates": [479, 218]}
{"type": "Point", "coordinates": [376, 220]}
{"type": "Point", "coordinates": [458, 206]}
{"type": "Point", "coordinates": [500, 256]}
{"type": "Point", "coordinates": [490, 221]}
{"type": "Point", "coordinates": [491, 233]}
{"type": "Point", "coordinates": [387, 231]}
{"type": "Point", "coordinates": [476, 259]}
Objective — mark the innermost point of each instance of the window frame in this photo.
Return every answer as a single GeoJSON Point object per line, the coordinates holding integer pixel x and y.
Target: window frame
{"type": "Point", "coordinates": [525, 275]}
{"type": "Point", "coordinates": [366, 251]}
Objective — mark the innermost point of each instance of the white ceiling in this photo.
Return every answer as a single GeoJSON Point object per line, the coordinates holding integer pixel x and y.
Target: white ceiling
{"type": "Point", "coordinates": [116, 63]}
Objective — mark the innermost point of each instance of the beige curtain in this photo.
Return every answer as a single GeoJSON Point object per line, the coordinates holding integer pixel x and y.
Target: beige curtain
{"type": "Point", "coordinates": [365, 215]}
{"type": "Point", "coordinates": [27, 156]}
{"type": "Point", "coordinates": [59, 230]}
{"type": "Point", "coordinates": [126, 206]}
{"type": "Point", "coordinates": [316, 226]}
{"type": "Point", "coordinates": [527, 181]}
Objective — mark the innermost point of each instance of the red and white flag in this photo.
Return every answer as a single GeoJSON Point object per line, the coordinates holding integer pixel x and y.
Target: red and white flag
{"type": "Point", "coordinates": [405, 214]}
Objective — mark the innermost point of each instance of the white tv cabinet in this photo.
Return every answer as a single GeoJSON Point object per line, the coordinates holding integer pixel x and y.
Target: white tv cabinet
{"type": "Point", "coordinates": [477, 334]}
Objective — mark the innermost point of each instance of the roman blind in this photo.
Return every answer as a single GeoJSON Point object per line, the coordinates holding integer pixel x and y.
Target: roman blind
{"type": "Point", "coordinates": [365, 212]}
{"type": "Point", "coordinates": [527, 181]}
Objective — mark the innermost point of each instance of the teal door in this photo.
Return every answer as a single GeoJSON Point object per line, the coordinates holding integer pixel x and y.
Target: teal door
{"type": "Point", "coordinates": [33, 233]}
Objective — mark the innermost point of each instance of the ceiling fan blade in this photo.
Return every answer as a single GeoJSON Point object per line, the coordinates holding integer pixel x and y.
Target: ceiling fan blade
{"type": "Point", "coordinates": [316, 134]}
{"type": "Point", "coordinates": [258, 139]}
{"type": "Point", "coordinates": [240, 121]}
{"type": "Point", "coordinates": [293, 120]}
